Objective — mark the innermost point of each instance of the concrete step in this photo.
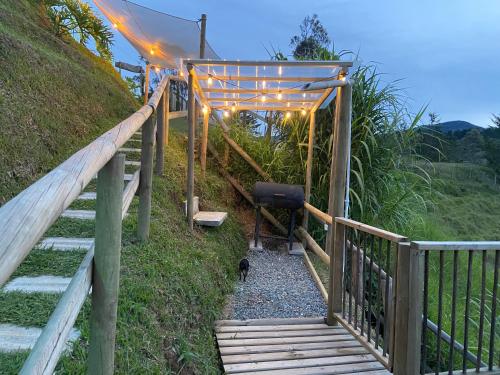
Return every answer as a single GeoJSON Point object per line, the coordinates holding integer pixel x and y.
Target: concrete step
{"type": "Point", "coordinates": [126, 177]}
{"type": "Point", "coordinates": [15, 338]}
{"type": "Point", "coordinates": [210, 219]}
{"type": "Point", "coordinates": [66, 244]}
{"type": "Point", "coordinates": [133, 163]}
{"type": "Point", "coordinates": [38, 284]}
{"type": "Point", "coordinates": [88, 196]}
{"type": "Point", "coordinates": [79, 214]}
{"type": "Point", "coordinates": [128, 149]}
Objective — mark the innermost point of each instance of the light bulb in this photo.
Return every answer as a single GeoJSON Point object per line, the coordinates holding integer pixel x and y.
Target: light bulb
{"type": "Point", "coordinates": [226, 114]}
{"type": "Point", "coordinates": [288, 104]}
{"type": "Point", "coordinates": [288, 115]}
{"type": "Point", "coordinates": [233, 108]}
{"type": "Point", "coordinates": [304, 95]}
{"type": "Point", "coordinates": [115, 25]}
{"type": "Point", "coordinates": [280, 70]}
{"type": "Point", "coordinates": [210, 81]}
{"type": "Point", "coordinates": [263, 98]}
{"type": "Point", "coordinates": [157, 70]}
{"type": "Point", "coordinates": [205, 110]}
{"type": "Point", "coordinates": [181, 73]}
{"type": "Point", "coordinates": [152, 51]}
{"type": "Point", "coordinates": [303, 112]}
{"type": "Point", "coordinates": [263, 84]}
{"type": "Point", "coordinates": [280, 95]}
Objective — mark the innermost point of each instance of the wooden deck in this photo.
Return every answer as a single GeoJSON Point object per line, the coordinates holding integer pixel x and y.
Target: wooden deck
{"type": "Point", "coordinates": [292, 347]}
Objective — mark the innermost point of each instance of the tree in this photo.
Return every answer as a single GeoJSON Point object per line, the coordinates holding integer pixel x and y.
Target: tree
{"type": "Point", "coordinates": [496, 120]}
{"type": "Point", "coordinates": [76, 18]}
{"type": "Point", "coordinates": [434, 118]}
{"type": "Point", "coordinates": [312, 41]}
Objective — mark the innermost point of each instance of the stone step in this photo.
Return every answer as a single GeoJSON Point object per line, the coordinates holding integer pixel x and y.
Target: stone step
{"type": "Point", "coordinates": [79, 214]}
{"type": "Point", "coordinates": [15, 338]}
{"type": "Point", "coordinates": [210, 219]}
{"type": "Point", "coordinates": [38, 284]}
{"type": "Point", "coordinates": [126, 177]}
{"type": "Point", "coordinates": [66, 244]}
{"type": "Point", "coordinates": [88, 196]}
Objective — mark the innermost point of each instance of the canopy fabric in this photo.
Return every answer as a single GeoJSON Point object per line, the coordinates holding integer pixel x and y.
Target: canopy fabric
{"type": "Point", "coordinates": [162, 39]}
{"type": "Point", "coordinates": [265, 85]}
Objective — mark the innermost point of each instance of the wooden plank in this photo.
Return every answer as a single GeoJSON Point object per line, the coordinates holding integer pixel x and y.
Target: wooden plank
{"type": "Point", "coordinates": [266, 334]}
{"type": "Point", "coordinates": [320, 215]}
{"type": "Point", "coordinates": [262, 78]}
{"type": "Point", "coordinates": [358, 368]}
{"type": "Point", "coordinates": [79, 214]}
{"type": "Point", "coordinates": [222, 99]}
{"type": "Point", "coordinates": [204, 141]}
{"type": "Point", "coordinates": [297, 363]}
{"type": "Point", "coordinates": [146, 180]}
{"type": "Point", "coordinates": [278, 327]}
{"type": "Point", "coordinates": [234, 350]}
{"type": "Point", "coordinates": [129, 192]}
{"type": "Point", "coordinates": [316, 278]}
{"type": "Point", "coordinates": [52, 342]}
{"type": "Point", "coordinates": [177, 114]}
{"type": "Point", "coordinates": [309, 161]}
{"type": "Point", "coordinates": [190, 148]}
{"type": "Point", "coordinates": [259, 91]}
{"type": "Point", "coordinates": [154, 101]}
{"type": "Point", "coordinates": [372, 230]}
{"type": "Point", "coordinates": [292, 354]}
{"type": "Point", "coordinates": [266, 322]}
{"type": "Point", "coordinates": [286, 340]}
{"type": "Point", "coordinates": [456, 245]}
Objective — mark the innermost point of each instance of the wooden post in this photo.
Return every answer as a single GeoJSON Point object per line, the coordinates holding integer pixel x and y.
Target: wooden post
{"type": "Point", "coordinates": [204, 141]}
{"type": "Point", "coordinates": [146, 179]}
{"type": "Point", "coordinates": [310, 152]}
{"type": "Point", "coordinates": [106, 272]}
{"type": "Point", "coordinates": [160, 136]}
{"type": "Point", "coordinates": [191, 130]}
{"type": "Point", "coordinates": [408, 310]}
{"type": "Point", "coordinates": [338, 174]}
{"type": "Point", "coordinates": [166, 113]}
{"type": "Point", "coordinates": [203, 32]}
{"type": "Point", "coordinates": [146, 84]}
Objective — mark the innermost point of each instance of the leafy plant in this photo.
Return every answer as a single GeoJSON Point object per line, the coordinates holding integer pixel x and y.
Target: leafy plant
{"type": "Point", "coordinates": [76, 18]}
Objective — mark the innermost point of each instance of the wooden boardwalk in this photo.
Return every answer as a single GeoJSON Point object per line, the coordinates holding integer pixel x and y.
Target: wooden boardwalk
{"type": "Point", "coordinates": [292, 347]}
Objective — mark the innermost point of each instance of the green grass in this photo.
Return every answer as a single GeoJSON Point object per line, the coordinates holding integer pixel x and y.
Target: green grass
{"type": "Point", "coordinates": [55, 96]}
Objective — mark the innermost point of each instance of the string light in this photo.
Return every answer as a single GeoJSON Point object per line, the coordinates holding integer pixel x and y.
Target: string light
{"type": "Point", "coordinates": [157, 69]}
{"type": "Point", "coordinates": [226, 114]}
{"type": "Point", "coordinates": [152, 51]}
{"type": "Point", "coordinates": [205, 110]}
{"type": "Point", "coordinates": [303, 112]}
{"type": "Point", "coordinates": [288, 104]}
{"type": "Point", "coordinates": [304, 95]}
{"type": "Point", "coordinates": [210, 80]}
{"type": "Point", "coordinates": [233, 108]}
{"type": "Point", "coordinates": [263, 98]}
{"type": "Point", "coordinates": [280, 95]}
{"type": "Point", "coordinates": [115, 25]}
{"type": "Point", "coordinates": [288, 115]}
{"type": "Point", "coordinates": [263, 84]}
{"type": "Point", "coordinates": [181, 73]}
{"type": "Point", "coordinates": [280, 70]}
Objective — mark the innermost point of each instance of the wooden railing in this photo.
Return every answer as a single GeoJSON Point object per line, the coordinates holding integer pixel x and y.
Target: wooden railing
{"type": "Point", "coordinates": [26, 218]}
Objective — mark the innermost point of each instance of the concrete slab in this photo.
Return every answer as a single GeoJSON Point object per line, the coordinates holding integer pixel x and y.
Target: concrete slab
{"type": "Point", "coordinates": [210, 219]}
{"type": "Point", "coordinates": [297, 248]}
{"type": "Point", "coordinates": [88, 196]}
{"type": "Point", "coordinates": [126, 177]}
{"type": "Point", "coordinates": [128, 149]}
{"type": "Point", "coordinates": [66, 244]}
{"type": "Point", "coordinates": [79, 214]}
{"type": "Point", "coordinates": [196, 206]}
{"type": "Point", "coordinates": [15, 338]}
{"type": "Point", "coordinates": [133, 163]}
{"type": "Point", "coordinates": [252, 247]}
{"type": "Point", "coordinates": [38, 284]}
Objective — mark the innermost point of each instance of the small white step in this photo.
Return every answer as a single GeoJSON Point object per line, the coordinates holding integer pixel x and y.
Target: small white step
{"type": "Point", "coordinates": [133, 163]}
{"type": "Point", "coordinates": [210, 219]}
{"type": "Point", "coordinates": [79, 214]}
{"type": "Point", "coordinates": [135, 140]}
{"type": "Point", "coordinates": [66, 244]}
{"type": "Point", "coordinates": [88, 196]}
{"type": "Point", "coordinates": [126, 177]}
{"type": "Point", "coordinates": [128, 149]}
{"type": "Point", "coordinates": [38, 284]}
{"type": "Point", "coordinates": [15, 338]}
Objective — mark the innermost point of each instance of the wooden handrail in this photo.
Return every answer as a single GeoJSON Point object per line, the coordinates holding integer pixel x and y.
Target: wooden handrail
{"type": "Point", "coordinates": [372, 230]}
{"type": "Point", "coordinates": [320, 215]}
{"type": "Point", "coordinates": [456, 245]}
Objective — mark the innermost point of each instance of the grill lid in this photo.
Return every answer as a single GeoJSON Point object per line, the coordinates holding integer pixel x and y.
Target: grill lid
{"type": "Point", "coordinates": [271, 194]}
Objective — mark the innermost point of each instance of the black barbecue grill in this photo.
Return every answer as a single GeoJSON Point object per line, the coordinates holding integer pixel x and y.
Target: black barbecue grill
{"type": "Point", "coordinates": [273, 195]}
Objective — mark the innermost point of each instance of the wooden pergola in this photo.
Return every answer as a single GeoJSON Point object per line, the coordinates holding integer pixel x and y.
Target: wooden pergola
{"type": "Point", "coordinates": [283, 86]}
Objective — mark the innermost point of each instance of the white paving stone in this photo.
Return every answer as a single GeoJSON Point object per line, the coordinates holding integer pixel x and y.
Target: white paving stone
{"type": "Point", "coordinates": [133, 163]}
{"type": "Point", "coordinates": [66, 244]}
{"type": "Point", "coordinates": [15, 338]}
{"type": "Point", "coordinates": [79, 214]}
{"type": "Point", "coordinates": [210, 219]}
{"type": "Point", "coordinates": [88, 196]}
{"type": "Point", "coordinates": [38, 284]}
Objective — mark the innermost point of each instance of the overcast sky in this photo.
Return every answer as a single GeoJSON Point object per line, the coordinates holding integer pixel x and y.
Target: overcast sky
{"type": "Point", "coordinates": [446, 51]}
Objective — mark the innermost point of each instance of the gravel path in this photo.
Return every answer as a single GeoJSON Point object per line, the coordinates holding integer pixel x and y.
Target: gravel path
{"type": "Point", "coordinates": [278, 285]}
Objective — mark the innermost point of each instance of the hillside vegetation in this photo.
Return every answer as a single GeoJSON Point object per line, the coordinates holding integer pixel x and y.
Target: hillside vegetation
{"type": "Point", "coordinates": [55, 96]}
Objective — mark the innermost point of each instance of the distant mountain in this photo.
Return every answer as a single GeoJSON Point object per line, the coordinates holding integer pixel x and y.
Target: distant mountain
{"type": "Point", "coordinates": [455, 126]}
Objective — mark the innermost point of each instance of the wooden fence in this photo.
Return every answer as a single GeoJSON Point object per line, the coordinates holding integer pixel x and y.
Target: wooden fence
{"type": "Point", "coordinates": [26, 218]}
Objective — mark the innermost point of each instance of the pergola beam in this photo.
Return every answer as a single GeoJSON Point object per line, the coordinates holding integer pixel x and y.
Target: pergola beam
{"type": "Point", "coordinates": [319, 64]}
{"type": "Point", "coordinates": [262, 91]}
{"type": "Point", "coordinates": [262, 108]}
{"type": "Point", "coordinates": [259, 100]}
{"type": "Point", "coordinates": [263, 78]}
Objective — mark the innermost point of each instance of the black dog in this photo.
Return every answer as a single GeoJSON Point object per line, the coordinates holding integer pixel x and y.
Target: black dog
{"type": "Point", "coordinates": [244, 266]}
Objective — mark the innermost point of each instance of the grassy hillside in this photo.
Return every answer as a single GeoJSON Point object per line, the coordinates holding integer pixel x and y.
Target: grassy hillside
{"type": "Point", "coordinates": [466, 204]}
{"type": "Point", "coordinates": [55, 96]}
